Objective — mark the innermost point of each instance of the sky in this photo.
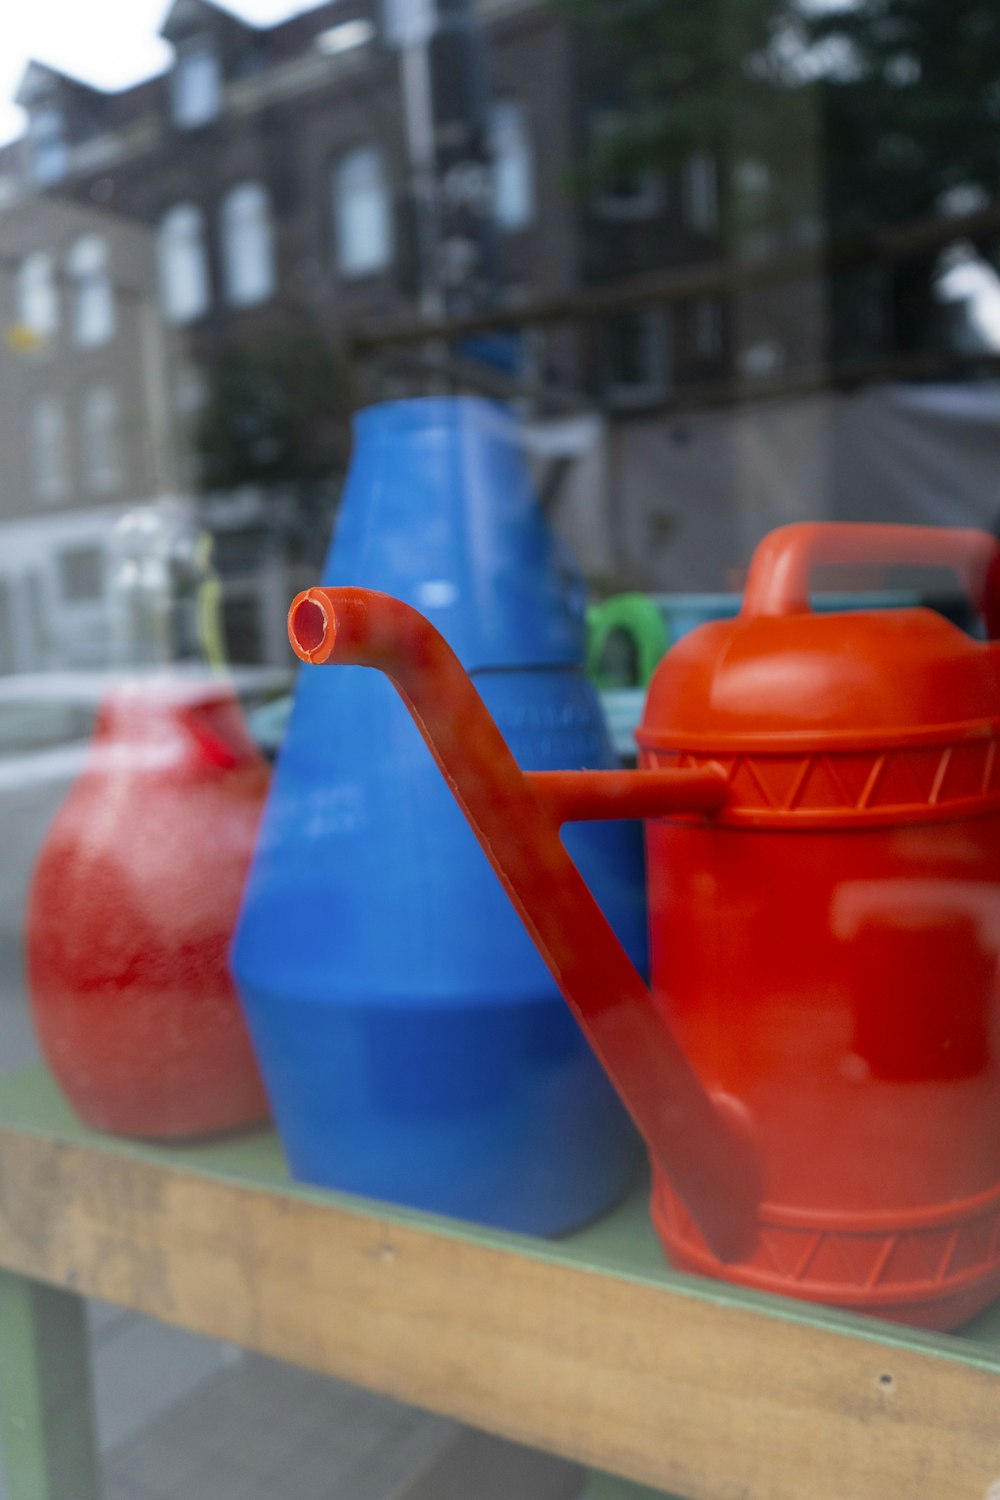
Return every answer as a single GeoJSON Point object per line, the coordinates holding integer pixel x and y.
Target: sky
{"type": "Point", "coordinates": [110, 43]}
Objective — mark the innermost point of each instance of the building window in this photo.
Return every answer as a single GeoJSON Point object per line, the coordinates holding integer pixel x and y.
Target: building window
{"type": "Point", "coordinates": [37, 295]}
{"type": "Point", "coordinates": [625, 193]}
{"type": "Point", "coordinates": [513, 165]}
{"type": "Point", "coordinates": [102, 440]}
{"type": "Point", "coordinates": [184, 289]}
{"type": "Point", "coordinates": [636, 357]}
{"type": "Point", "coordinates": [47, 141]}
{"type": "Point", "coordinates": [706, 328]}
{"type": "Point", "coordinates": [197, 88]}
{"type": "Point", "coordinates": [247, 245]}
{"type": "Point", "coordinates": [701, 192]}
{"type": "Point", "coordinates": [93, 297]}
{"type": "Point", "coordinates": [81, 572]}
{"type": "Point", "coordinates": [191, 393]}
{"type": "Point", "coordinates": [48, 443]}
{"type": "Point", "coordinates": [362, 213]}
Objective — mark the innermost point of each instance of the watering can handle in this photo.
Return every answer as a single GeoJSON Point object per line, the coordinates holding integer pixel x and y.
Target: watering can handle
{"type": "Point", "coordinates": [516, 816]}
{"type": "Point", "coordinates": [778, 581]}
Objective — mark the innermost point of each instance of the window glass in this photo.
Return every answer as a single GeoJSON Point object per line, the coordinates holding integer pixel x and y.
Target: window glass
{"type": "Point", "coordinates": [624, 191]}
{"type": "Point", "coordinates": [197, 88]}
{"type": "Point", "coordinates": [93, 297]}
{"type": "Point", "coordinates": [38, 295]}
{"type": "Point", "coordinates": [541, 315]}
{"type": "Point", "coordinates": [362, 213]}
{"type": "Point", "coordinates": [81, 571]}
{"type": "Point", "coordinates": [247, 245]}
{"type": "Point", "coordinates": [183, 264]}
{"type": "Point", "coordinates": [102, 440]}
{"type": "Point", "coordinates": [701, 200]}
{"type": "Point", "coordinates": [636, 345]}
{"type": "Point", "coordinates": [707, 325]}
{"type": "Point", "coordinates": [513, 165]}
{"type": "Point", "coordinates": [48, 444]}
{"type": "Point", "coordinates": [49, 155]}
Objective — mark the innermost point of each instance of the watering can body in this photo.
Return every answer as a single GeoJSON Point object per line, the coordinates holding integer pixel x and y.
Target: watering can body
{"type": "Point", "coordinates": [825, 950]}
{"type": "Point", "coordinates": [131, 911]}
{"type": "Point", "coordinates": [816, 1069]}
{"type": "Point", "coordinates": [413, 1045]}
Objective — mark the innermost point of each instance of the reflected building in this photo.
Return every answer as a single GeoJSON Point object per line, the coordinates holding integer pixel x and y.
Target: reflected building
{"type": "Point", "coordinates": [267, 172]}
{"type": "Point", "coordinates": [85, 428]}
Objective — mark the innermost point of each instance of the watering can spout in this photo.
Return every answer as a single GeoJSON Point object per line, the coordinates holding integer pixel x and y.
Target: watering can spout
{"type": "Point", "coordinates": [701, 1142]}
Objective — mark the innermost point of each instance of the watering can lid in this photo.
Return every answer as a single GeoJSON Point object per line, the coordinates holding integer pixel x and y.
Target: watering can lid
{"type": "Point", "coordinates": [780, 675]}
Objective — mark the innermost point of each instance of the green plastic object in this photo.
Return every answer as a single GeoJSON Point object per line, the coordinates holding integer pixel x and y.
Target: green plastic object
{"type": "Point", "coordinates": [634, 620]}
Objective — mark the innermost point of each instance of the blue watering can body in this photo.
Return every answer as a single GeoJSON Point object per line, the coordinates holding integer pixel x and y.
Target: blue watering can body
{"type": "Point", "coordinates": [414, 1046]}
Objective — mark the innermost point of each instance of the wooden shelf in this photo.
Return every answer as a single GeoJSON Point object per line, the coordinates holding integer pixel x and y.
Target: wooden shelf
{"type": "Point", "coordinates": [587, 1347]}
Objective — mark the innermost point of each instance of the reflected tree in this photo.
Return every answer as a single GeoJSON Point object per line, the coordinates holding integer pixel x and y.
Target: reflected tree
{"type": "Point", "coordinates": [831, 118]}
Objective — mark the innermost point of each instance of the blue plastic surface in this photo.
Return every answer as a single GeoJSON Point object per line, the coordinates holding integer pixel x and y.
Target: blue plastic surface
{"type": "Point", "coordinates": [414, 1046]}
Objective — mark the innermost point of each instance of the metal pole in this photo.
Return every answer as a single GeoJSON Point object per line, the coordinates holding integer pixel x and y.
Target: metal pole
{"type": "Point", "coordinates": [418, 115]}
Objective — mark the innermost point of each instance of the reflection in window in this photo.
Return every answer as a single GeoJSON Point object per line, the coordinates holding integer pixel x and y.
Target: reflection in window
{"type": "Point", "coordinates": [93, 297]}
{"type": "Point", "coordinates": [190, 392]}
{"type": "Point", "coordinates": [362, 214]}
{"type": "Point", "coordinates": [81, 571]}
{"type": "Point", "coordinates": [706, 327]}
{"type": "Point", "coordinates": [197, 88]}
{"type": "Point", "coordinates": [37, 295]}
{"type": "Point", "coordinates": [48, 445]}
{"type": "Point", "coordinates": [247, 245]}
{"type": "Point", "coordinates": [968, 285]}
{"type": "Point", "coordinates": [636, 357]}
{"type": "Point", "coordinates": [701, 192]}
{"type": "Point", "coordinates": [762, 358]}
{"type": "Point", "coordinates": [101, 440]}
{"type": "Point", "coordinates": [624, 193]}
{"type": "Point", "coordinates": [184, 290]}
{"type": "Point", "coordinates": [49, 156]}
{"type": "Point", "coordinates": [513, 167]}
{"type": "Point", "coordinates": [345, 37]}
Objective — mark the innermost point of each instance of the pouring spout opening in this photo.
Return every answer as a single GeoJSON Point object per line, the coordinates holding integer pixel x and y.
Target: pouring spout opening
{"type": "Point", "coordinates": [312, 626]}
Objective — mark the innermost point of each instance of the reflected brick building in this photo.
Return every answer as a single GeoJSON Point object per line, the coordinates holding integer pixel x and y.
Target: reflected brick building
{"type": "Point", "coordinates": [266, 177]}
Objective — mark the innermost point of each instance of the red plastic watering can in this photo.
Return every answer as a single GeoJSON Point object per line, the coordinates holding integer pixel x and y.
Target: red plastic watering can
{"type": "Point", "coordinates": [816, 1070]}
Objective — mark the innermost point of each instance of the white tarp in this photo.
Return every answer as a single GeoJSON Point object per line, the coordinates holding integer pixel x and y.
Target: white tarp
{"type": "Point", "coordinates": [689, 496]}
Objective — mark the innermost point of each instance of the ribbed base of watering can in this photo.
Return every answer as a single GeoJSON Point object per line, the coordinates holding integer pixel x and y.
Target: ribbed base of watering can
{"type": "Point", "coordinates": [934, 1267]}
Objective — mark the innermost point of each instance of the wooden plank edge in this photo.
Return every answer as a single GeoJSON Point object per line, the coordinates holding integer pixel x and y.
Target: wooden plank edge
{"type": "Point", "coordinates": [712, 1401]}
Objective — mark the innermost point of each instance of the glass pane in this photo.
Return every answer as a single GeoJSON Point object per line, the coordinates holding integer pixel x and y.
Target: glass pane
{"type": "Point", "coordinates": [362, 213]}
{"type": "Point", "coordinates": [649, 351]}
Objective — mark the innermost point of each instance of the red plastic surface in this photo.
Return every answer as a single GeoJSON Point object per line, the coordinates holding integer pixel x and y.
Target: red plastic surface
{"type": "Point", "coordinates": [131, 913]}
{"type": "Point", "coordinates": [817, 1072]}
